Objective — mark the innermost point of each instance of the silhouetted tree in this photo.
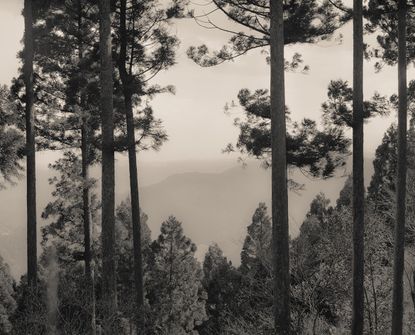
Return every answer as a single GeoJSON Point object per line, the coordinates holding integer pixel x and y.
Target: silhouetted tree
{"type": "Point", "coordinates": [397, 306]}
{"type": "Point", "coordinates": [316, 152]}
{"type": "Point", "coordinates": [222, 284]}
{"type": "Point", "coordinates": [30, 145]}
{"type": "Point", "coordinates": [143, 23]}
{"type": "Point", "coordinates": [280, 238]}
{"type": "Point", "coordinates": [307, 21]}
{"type": "Point", "coordinates": [125, 259]}
{"type": "Point", "coordinates": [174, 290]}
{"type": "Point", "coordinates": [108, 196]}
{"type": "Point", "coordinates": [11, 140]}
{"type": "Point", "coordinates": [358, 171]}
{"type": "Point", "coordinates": [7, 301]}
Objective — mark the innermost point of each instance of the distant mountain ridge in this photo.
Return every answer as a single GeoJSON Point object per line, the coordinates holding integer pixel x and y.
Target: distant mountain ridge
{"type": "Point", "coordinates": [214, 200]}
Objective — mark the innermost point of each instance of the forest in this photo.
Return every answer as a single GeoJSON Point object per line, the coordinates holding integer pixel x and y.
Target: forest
{"type": "Point", "coordinates": [87, 80]}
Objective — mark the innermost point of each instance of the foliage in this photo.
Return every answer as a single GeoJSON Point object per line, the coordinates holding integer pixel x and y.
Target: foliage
{"type": "Point", "coordinates": [67, 79]}
{"type": "Point", "coordinates": [174, 287]}
{"type": "Point", "coordinates": [7, 299]}
{"type": "Point", "coordinates": [65, 232]}
{"type": "Point", "coordinates": [382, 184]}
{"type": "Point", "coordinates": [382, 18]}
{"type": "Point", "coordinates": [30, 316]}
{"type": "Point", "coordinates": [316, 152]}
{"type": "Point", "coordinates": [221, 282]}
{"type": "Point", "coordinates": [338, 109]}
{"type": "Point", "coordinates": [253, 303]}
{"type": "Point", "coordinates": [124, 251]}
{"type": "Point", "coordinates": [304, 22]}
{"type": "Point", "coordinates": [322, 263]}
{"type": "Point", "coordinates": [11, 140]}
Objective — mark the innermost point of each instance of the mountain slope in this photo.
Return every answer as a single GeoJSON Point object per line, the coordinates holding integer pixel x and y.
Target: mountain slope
{"type": "Point", "coordinates": [214, 205]}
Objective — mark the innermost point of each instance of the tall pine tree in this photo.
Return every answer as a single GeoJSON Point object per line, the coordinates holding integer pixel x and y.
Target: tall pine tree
{"type": "Point", "coordinates": [141, 24]}
{"type": "Point", "coordinates": [358, 171]}
{"type": "Point", "coordinates": [280, 238]}
{"type": "Point", "coordinates": [108, 186]}
{"type": "Point", "coordinates": [175, 291]}
{"type": "Point", "coordinates": [30, 146]}
{"type": "Point", "coordinates": [397, 306]}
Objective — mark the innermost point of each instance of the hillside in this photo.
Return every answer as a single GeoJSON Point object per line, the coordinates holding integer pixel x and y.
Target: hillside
{"type": "Point", "coordinates": [214, 200]}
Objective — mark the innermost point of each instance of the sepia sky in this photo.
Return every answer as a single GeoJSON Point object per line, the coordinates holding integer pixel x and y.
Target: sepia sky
{"type": "Point", "coordinates": [198, 130]}
{"type": "Point", "coordinates": [194, 117]}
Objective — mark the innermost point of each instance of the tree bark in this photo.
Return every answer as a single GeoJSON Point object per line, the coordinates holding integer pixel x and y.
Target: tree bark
{"type": "Point", "coordinates": [108, 196]}
{"type": "Point", "coordinates": [280, 239]}
{"type": "Point", "coordinates": [86, 201]}
{"type": "Point", "coordinates": [399, 250]}
{"type": "Point", "coordinates": [126, 79]}
{"type": "Point", "coordinates": [30, 147]}
{"type": "Point", "coordinates": [358, 179]}
{"type": "Point", "coordinates": [86, 196]}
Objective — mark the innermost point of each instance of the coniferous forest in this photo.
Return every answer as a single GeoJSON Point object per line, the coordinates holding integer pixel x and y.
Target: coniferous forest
{"type": "Point", "coordinates": [84, 96]}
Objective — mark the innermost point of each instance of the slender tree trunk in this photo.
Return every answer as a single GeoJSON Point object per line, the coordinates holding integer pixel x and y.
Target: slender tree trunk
{"type": "Point", "coordinates": [30, 147]}
{"type": "Point", "coordinates": [86, 200]}
{"type": "Point", "coordinates": [413, 289]}
{"type": "Point", "coordinates": [108, 196]}
{"type": "Point", "coordinates": [398, 265]}
{"type": "Point", "coordinates": [86, 196]}
{"type": "Point", "coordinates": [126, 79]}
{"type": "Point", "coordinates": [280, 239]}
{"type": "Point", "coordinates": [358, 180]}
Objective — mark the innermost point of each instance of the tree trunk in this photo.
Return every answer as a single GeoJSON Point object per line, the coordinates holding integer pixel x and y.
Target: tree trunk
{"type": "Point", "coordinates": [280, 239]}
{"type": "Point", "coordinates": [86, 200]}
{"type": "Point", "coordinates": [358, 179]}
{"type": "Point", "coordinates": [126, 79]}
{"type": "Point", "coordinates": [86, 197]}
{"type": "Point", "coordinates": [108, 197]}
{"type": "Point", "coordinates": [399, 250]}
{"type": "Point", "coordinates": [30, 147]}
{"type": "Point", "coordinates": [89, 272]}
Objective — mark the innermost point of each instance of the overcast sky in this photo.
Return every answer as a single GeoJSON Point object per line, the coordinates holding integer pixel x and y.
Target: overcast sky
{"type": "Point", "coordinates": [197, 126]}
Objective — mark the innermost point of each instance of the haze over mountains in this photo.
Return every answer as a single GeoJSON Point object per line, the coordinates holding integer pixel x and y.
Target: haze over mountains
{"type": "Point", "coordinates": [215, 201]}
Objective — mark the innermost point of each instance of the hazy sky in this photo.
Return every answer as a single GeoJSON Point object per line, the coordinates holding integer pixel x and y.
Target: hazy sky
{"type": "Point", "coordinates": [197, 126]}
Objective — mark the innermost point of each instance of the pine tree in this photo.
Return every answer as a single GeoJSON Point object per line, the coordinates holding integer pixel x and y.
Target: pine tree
{"type": "Point", "coordinates": [136, 65]}
{"type": "Point", "coordinates": [358, 171]}
{"type": "Point", "coordinates": [222, 283]}
{"type": "Point", "coordinates": [382, 185]}
{"type": "Point", "coordinates": [86, 162]}
{"type": "Point", "coordinates": [254, 301]}
{"type": "Point", "coordinates": [338, 108]}
{"type": "Point", "coordinates": [303, 138]}
{"type": "Point", "coordinates": [382, 16]}
{"type": "Point", "coordinates": [256, 250]}
{"type": "Point", "coordinates": [30, 146]}
{"type": "Point", "coordinates": [108, 196]}
{"type": "Point", "coordinates": [7, 299]}
{"type": "Point", "coordinates": [125, 258]}
{"type": "Point", "coordinates": [174, 290]}
{"type": "Point", "coordinates": [63, 236]}
{"type": "Point", "coordinates": [65, 210]}
{"type": "Point", "coordinates": [400, 225]}
{"type": "Point", "coordinates": [280, 238]}
{"type": "Point", "coordinates": [11, 140]}
{"type": "Point", "coordinates": [307, 21]}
